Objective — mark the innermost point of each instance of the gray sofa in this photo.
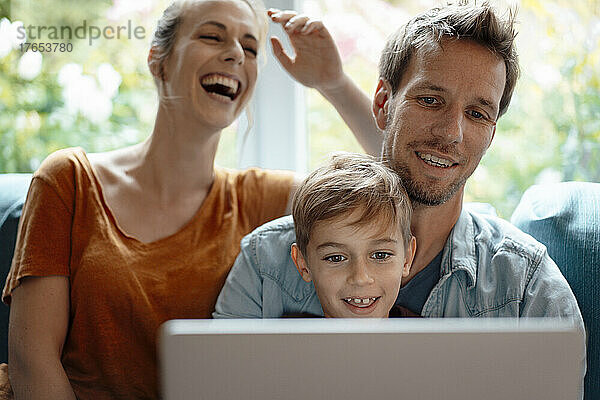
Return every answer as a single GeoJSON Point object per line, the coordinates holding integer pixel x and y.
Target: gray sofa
{"type": "Point", "coordinates": [13, 190]}
{"type": "Point", "coordinates": [565, 217]}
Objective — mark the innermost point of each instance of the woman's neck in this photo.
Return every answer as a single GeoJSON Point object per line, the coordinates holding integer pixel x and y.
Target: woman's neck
{"type": "Point", "coordinates": [178, 158]}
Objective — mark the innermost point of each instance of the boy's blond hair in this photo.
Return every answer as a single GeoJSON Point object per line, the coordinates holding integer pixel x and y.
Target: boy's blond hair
{"type": "Point", "coordinates": [348, 182]}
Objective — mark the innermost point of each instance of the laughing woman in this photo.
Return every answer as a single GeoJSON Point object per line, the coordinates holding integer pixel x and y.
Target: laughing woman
{"type": "Point", "coordinates": [113, 244]}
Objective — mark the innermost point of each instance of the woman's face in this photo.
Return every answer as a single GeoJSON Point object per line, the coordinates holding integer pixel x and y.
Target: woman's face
{"type": "Point", "coordinates": [212, 69]}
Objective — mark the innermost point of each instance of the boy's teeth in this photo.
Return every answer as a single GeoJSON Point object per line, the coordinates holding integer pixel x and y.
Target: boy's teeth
{"type": "Point", "coordinates": [360, 301]}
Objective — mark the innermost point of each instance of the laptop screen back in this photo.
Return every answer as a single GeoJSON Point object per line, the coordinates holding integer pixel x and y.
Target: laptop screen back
{"type": "Point", "coordinates": [302, 359]}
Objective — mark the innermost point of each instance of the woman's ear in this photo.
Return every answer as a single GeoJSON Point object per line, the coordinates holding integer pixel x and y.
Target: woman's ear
{"type": "Point", "coordinates": [409, 256]}
{"type": "Point", "coordinates": [155, 65]}
{"type": "Point", "coordinates": [300, 263]}
{"type": "Point", "coordinates": [381, 103]}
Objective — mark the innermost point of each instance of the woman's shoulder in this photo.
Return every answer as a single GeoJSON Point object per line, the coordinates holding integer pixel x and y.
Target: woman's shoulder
{"type": "Point", "coordinates": [62, 164]}
{"type": "Point", "coordinates": [254, 176]}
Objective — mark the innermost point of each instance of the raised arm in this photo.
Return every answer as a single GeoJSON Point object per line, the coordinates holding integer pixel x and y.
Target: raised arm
{"type": "Point", "coordinates": [39, 317]}
{"type": "Point", "coordinates": [317, 64]}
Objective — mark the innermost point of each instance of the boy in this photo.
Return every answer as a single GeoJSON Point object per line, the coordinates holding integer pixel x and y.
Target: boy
{"type": "Point", "coordinates": [353, 239]}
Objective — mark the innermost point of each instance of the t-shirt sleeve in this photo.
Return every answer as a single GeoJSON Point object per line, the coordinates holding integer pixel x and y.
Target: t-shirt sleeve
{"type": "Point", "coordinates": [264, 194]}
{"type": "Point", "coordinates": [44, 234]}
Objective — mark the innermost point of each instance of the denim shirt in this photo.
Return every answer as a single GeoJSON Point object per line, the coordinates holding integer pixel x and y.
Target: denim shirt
{"type": "Point", "coordinates": [489, 269]}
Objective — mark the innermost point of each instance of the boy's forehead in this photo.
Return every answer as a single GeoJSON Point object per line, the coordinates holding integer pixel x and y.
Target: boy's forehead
{"type": "Point", "coordinates": [380, 228]}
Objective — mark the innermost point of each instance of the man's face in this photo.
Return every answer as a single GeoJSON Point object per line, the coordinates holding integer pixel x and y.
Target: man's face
{"type": "Point", "coordinates": [442, 119]}
{"type": "Point", "coordinates": [356, 270]}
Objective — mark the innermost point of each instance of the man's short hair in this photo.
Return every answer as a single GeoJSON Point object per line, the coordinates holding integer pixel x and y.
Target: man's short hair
{"type": "Point", "coordinates": [348, 182]}
{"type": "Point", "coordinates": [478, 23]}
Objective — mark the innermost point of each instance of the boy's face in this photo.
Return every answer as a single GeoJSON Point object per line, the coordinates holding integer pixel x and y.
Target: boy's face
{"type": "Point", "coordinates": [356, 269]}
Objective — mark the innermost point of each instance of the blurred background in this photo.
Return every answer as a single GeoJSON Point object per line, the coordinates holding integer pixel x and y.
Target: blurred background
{"type": "Point", "coordinates": [100, 95]}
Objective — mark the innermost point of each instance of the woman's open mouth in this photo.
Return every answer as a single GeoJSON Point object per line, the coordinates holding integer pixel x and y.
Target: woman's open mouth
{"type": "Point", "coordinates": [221, 87]}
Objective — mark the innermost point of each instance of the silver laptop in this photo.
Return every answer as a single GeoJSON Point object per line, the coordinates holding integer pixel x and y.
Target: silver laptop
{"type": "Point", "coordinates": [352, 359]}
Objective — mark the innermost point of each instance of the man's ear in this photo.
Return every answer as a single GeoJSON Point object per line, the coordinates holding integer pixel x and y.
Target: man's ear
{"type": "Point", "coordinates": [381, 103]}
{"type": "Point", "coordinates": [300, 263]}
{"type": "Point", "coordinates": [493, 134]}
{"type": "Point", "coordinates": [409, 256]}
{"type": "Point", "coordinates": [155, 66]}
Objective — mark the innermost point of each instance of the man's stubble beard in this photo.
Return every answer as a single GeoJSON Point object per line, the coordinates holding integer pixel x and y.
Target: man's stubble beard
{"type": "Point", "coordinates": [419, 193]}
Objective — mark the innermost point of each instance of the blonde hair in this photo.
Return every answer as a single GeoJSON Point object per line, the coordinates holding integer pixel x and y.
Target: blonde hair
{"type": "Point", "coordinates": [350, 181]}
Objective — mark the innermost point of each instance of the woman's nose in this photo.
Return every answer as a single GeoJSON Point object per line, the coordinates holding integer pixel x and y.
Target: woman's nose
{"type": "Point", "coordinates": [234, 53]}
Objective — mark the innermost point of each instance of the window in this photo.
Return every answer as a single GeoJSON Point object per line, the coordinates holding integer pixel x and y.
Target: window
{"type": "Point", "coordinates": [100, 95]}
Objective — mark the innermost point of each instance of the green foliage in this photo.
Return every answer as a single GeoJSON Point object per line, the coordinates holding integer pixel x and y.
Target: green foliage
{"type": "Point", "coordinates": [551, 132]}
{"type": "Point", "coordinates": [40, 115]}
{"type": "Point", "coordinates": [552, 129]}
{"type": "Point", "coordinates": [35, 118]}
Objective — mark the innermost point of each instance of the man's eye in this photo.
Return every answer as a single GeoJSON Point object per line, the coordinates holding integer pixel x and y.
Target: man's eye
{"type": "Point", "coordinates": [336, 258]}
{"type": "Point", "coordinates": [381, 255]}
{"type": "Point", "coordinates": [476, 114]}
{"type": "Point", "coordinates": [428, 100]}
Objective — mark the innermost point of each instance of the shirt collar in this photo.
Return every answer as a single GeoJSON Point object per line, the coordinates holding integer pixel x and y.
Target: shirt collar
{"type": "Point", "coordinates": [459, 251]}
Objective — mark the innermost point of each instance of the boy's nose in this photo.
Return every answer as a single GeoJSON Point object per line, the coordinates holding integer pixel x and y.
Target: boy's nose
{"type": "Point", "coordinates": [360, 274]}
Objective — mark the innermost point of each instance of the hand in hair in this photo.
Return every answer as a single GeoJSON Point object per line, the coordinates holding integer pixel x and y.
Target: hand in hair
{"type": "Point", "coordinates": [317, 63]}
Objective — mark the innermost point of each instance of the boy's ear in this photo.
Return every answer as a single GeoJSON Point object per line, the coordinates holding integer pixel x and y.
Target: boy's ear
{"type": "Point", "coordinates": [409, 256]}
{"type": "Point", "coordinates": [300, 263]}
{"type": "Point", "coordinates": [381, 103]}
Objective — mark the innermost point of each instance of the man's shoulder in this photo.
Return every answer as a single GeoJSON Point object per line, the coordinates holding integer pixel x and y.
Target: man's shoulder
{"type": "Point", "coordinates": [498, 236]}
{"type": "Point", "coordinates": [276, 234]}
{"type": "Point", "coordinates": [500, 262]}
{"type": "Point", "coordinates": [493, 250]}
{"type": "Point", "coordinates": [277, 226]}
{"type": "Point", "coordinates": [268, 247]}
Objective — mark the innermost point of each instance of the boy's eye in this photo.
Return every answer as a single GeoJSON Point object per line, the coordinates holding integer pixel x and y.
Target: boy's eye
{"type": "Point", "coordinates": [381, 255]}
{"type": "Point", "coordinates": [336, 258]}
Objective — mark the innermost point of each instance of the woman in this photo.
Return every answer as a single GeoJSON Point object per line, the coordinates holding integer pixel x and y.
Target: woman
{"type": "Point", "coordinates": [113, 244]}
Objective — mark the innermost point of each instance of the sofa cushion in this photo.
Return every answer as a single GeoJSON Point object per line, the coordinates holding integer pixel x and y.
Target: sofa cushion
{"type": "Point", "coordinates": [566, 218]}
{"type": "Point", "coordinates": [13, 190]}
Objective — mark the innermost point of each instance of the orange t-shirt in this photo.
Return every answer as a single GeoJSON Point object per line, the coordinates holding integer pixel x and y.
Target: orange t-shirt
{"type": "Point", "coordinates": [121, 289]}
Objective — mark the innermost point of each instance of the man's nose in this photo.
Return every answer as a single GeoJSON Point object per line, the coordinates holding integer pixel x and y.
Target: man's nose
{"type": "Point", "coordinates": [450, 128]}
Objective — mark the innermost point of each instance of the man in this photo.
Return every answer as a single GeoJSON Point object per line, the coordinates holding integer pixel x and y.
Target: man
{"type": "Point", "coordinates": [445, 79]}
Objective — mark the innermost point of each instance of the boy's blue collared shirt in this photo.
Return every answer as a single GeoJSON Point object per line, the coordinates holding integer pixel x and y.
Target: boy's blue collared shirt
{"type": "Point", "coordinates": [489, 269]}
